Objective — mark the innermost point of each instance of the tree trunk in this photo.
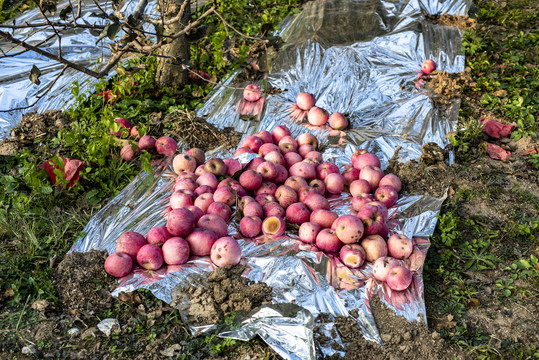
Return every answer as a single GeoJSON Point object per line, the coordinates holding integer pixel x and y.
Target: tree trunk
{"type": "Point", "coordinates": [169, 70]}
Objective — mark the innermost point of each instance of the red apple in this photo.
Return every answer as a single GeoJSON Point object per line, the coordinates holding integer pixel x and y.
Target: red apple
{"type": "Point", "coordinates": [253, 209]}
{"type": "Point", "coordinates": [372, 174]}
{"type": "Point", "coordinates": [147, 143]}
{"type": "Point", "coordinates": [252, 142]}
{"type": "Point", "coordinates": [428, 66]}
{"type": "Point", "coordinates": [226, 251]}
{"type": "Point", "coordinates": [176, 251]}
{"type": "Point", "coordinates": [220, 209]}
{"type": "Point", "coordinates": [296, 182]}
{"type": "Point", "coordinates": [198, 154]}
{"type": "Point", "coordinates": [365, 159]}
{"type": "Point", "coordinates": [391, 180]}
{"type": "Point", "coordinates": [317, 116]}
{"type": "Point", "coordinates": [158, 235]}
{"type": "Point", "coordinates": [215, 166]}
{"type": "Point", "coordinates": [334, 183]}
{"type": "Point", "coordinates": [399, 246]}
{"type": "Point", "coordinates": [349, 229]}
{"type": "Point", "coordinates": [130, 243]}
{"type": "Point", "coordinates": [374, 246]}
{"type": "Point", "coordinates": [382, 266]}
{"type": "Point", "coordinates": [318, 186]}
{"type": "Point", "coordinates": [250, 226]}
{"type": "Point", "coordinates": [304, 149]}
{"type": "Point", "coordinates": [166, 146]}
{"type": "Point", "coordinates": [265, 136]}
{"type": "Point", "coordinates": [180, 222]}
{"type": "Point", "coordinates": [208, 179]}
{"type": "Point", "coordinates": [267, 148]}
{"type": "Point", "coordinates": [308, 232]}
{"type": "Point", "coordinates": [324, 218]}
{"type": "Point", "coordinates": [118, 264]}
{"type": "Point", "coordinates": [327, 241]}
{"type": "Point", "coordinates": [291, 158]}
{"type": "Point", "coordinates": [298, 213]}
{"type": "Point", "coordinates": [150, 257]}
{"type": "Point", "coordinates": [386, 195]}
{"type": "Point", "coordinates": [280, 132]}
{"type": "Point", "coordinates": [232, 166]}
{"type": "Point", "coordinates": [338, 121]}
{"type": "Point", "coordinates": [184, 162]}
{"type": "Point", "coordinates": [316, 201]}
{"type": "Point", "coordinates": [201, 240]}
{"type": "Point", "coordinates": [307, 139]}
{"type": "Point", "coordinates": [305, 101]}
{"type": "Point", "coordinates": [303, 169]}
{"type": "Point", "coordinates": [399, 278]}
{"type": "Point", "coordinates": [252, 92]}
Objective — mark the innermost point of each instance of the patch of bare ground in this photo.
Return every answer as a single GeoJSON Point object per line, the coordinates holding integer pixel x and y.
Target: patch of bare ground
{"type": "Point", "coordinates": [401, 338]}
{"type": "Point", "coordinates": [461, 22]}
{"type": "Point", "coordinates": [33, 129]}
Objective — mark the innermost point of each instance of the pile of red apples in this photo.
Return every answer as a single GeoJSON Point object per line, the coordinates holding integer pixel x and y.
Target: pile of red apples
{"type": "Point", "coordinates": [305, 107]}
{"type": "Point", "coordinates": [164, 145]}
{"type": "Point", "coordinates": [287, 182]}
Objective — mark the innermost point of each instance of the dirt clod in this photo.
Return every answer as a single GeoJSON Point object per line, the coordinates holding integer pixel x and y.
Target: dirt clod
{"type": "Point", "coordinates": [224, 290]}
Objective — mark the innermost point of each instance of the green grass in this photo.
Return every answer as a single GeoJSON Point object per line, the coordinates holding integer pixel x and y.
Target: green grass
{"type": "Point", "coordinates": [501, 53]}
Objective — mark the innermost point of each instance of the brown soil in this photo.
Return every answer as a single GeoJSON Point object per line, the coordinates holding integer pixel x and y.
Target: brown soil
{"type": "Point", "coordinates": [32, 128]}
{"type": "Point", "coordinates": [82, 283]}
{"type": "Point", "coordinates": [430, 175]}
{"type": "Point", "coordinates": [224, 291]}
{"type": "Point", "coordinates": [196, 132]}
{"type": "Point", "coordinates": [445, 87]}
{"type": "Point", "coordinates": [462, 22]}
{"type": "Point", "coordinates": [401, 339]}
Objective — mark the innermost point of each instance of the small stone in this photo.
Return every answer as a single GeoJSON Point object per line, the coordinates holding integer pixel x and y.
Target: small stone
{"type": "Point", "coordinates": [172, 351]}
{"type": "Point", "coordinates": [73, 331]}
{"type": "Point", "coordinates": [407, 336]}
{"type": "Point", "coordinates": [28, 350]}
{"type": "Point", "coordinates": [386, 338]}
{"type": "Point", "coordinates": [435, 335]}
{"type": "Point", "coordinates": [91, 332]}
{"type": "Point", "coordinates": [397, 339]}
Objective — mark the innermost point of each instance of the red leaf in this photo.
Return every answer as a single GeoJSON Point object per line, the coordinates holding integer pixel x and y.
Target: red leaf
{"type": "Point", "coordinates": [496, 152]}
{"type": "Point", "coordinates": [495, 129]}
{"type": "Point", "coordinates": [71, 170]}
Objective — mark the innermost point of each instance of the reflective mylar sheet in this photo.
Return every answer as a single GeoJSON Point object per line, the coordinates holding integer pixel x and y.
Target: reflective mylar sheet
{"type": "Point", "coordinates": [356, 57]}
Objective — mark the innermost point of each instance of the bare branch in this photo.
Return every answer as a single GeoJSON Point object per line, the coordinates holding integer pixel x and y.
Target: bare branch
{"type": "Point", "coordinates": [56, 23]}
{"type": "Point", "coordinates": [48, 55]}
{"type": "Point", "coordinates": [194, 23]}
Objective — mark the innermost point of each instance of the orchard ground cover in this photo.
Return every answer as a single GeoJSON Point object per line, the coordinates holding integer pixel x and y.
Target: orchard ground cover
{"type": "Point", "coordinates": [481, 273]}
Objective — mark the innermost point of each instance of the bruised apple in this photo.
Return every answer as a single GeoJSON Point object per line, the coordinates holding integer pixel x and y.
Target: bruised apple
{"type": "Point", "coordinates": [225, 251]}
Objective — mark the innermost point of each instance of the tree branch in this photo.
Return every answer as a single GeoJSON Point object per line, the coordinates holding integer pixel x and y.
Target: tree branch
{"type": "Point", "coordinates": [56, 23]}
{"type": "Point", "coordinates": [48, 55]}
